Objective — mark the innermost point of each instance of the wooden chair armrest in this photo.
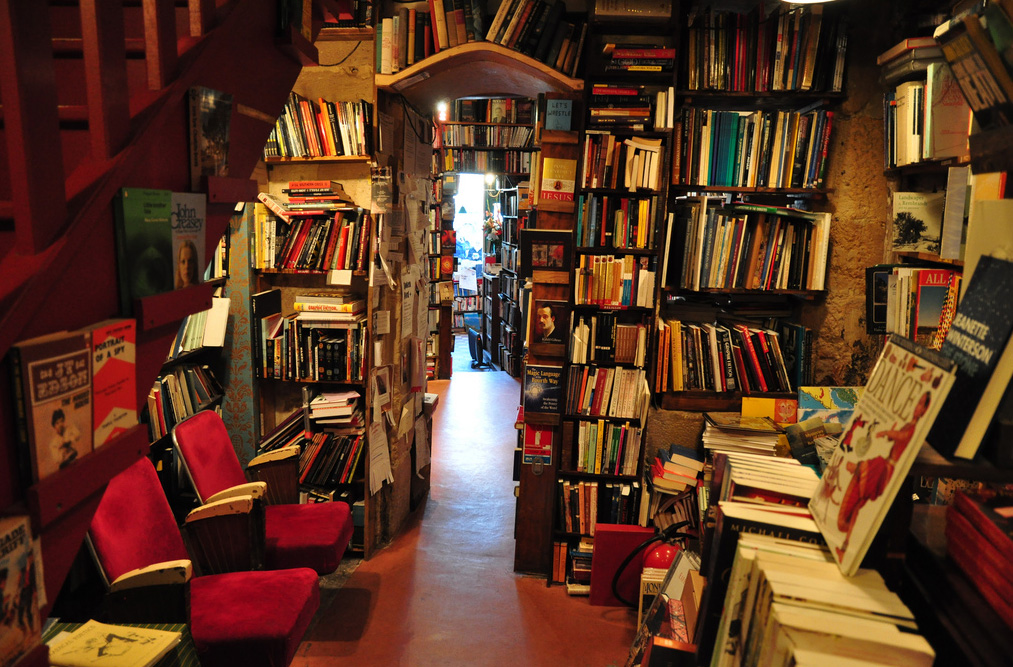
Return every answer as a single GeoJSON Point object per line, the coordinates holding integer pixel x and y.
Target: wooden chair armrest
{"type": "Point", "coordinates": [275, 455]}
{"type": "Point", "coordinates": [254, 489]}
{"type": "Point", "coordinates": [226, 536]}
{"type": "Point", "coordinates": [158, 574]}
{"type": "Point", "coordinates": [226, 506]}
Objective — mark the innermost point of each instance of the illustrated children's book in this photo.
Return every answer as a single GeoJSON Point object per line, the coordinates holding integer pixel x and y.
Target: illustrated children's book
{"type": "Point", "coordinates": [904, 393]}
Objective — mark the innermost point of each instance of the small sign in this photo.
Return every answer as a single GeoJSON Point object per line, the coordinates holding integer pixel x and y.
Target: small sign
{"type": "Point", "coordinates": [558, 114]}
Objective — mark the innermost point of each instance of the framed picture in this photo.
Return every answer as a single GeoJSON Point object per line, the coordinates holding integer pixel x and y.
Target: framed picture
{"type": "Point", "coordinates": [546, 251]}
{"type": "Point", "coordinates": [550, 325]}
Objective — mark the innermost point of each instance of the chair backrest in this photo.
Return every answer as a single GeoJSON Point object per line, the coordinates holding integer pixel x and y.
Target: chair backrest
{"type": "Point", "coordinates": [207, 453]}
{"type": "Point", "coordinates": [133, 526]}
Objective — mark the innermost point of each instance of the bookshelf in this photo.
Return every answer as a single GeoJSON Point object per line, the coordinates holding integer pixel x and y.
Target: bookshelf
{"type": "Point", "coordinates": [509, 317]}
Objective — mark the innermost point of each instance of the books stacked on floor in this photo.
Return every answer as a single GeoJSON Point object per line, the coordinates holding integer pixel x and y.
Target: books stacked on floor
{"type": "Point", "coordinates": [676, 469]}
{"type": "Point", "coordinates": [731, 432]}
{"type": "Point", "coordinates": [978, 540]}
{"type": "Point", "coordinates": [801, 610]}
{"type": "Point", "coordinates": [320, 129]}
{"type": "Point", "coordinates": [640, 58]}
{"type": "Point", "coordinates": [578, 581]}
{"type": "Point", "coordinates": [338, 408]}
{"type": "Point", "coordinates": [329, 459]}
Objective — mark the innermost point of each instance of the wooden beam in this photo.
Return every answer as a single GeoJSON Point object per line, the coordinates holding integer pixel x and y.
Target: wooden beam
{"type": "Point", "coordinates": [105, 60]}
{"type": "Point", "coordinates": [34, 152]}
{"type": "Point", "coordinates": [202, 17]}
{"type": "Point", "coordinates": [160, 38]}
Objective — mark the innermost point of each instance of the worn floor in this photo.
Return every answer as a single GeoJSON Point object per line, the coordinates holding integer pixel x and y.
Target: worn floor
{"type": "Point", "coordinates": [444, 593]}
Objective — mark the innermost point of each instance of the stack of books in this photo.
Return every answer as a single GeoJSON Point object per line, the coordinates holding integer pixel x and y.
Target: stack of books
{"type": "Point", "coordinates": [648, 58]}
{"type": "Point", "coordinates": [620, 106]}
{"type": "Point", "coordinates": [978, 540]}
{"type": "Point", "coordinates": [341, 408]}
{"type": "Point", "coordinates": [579, 580]}
{"type": "Point", "coordinates": [676, 469]}
{"type": "Point", "coordinates": [731, 432]}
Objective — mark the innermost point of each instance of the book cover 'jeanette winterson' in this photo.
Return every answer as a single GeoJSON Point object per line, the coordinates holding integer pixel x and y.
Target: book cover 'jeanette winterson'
{"type": "Point", "coordinates": [904, 393]}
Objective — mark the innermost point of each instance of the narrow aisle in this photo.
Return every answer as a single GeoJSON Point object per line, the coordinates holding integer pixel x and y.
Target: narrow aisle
{"type": "Point", "coordinates": [444, 593]}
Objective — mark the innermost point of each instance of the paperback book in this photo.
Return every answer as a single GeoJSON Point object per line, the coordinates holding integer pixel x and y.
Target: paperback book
{"type": "Point", "coordinates": [905, 391]}
{"type": "Point", "coordinates": [186, 219]}
{"type": "Point", "coordinates": [52, 385]}
{"type": "Point", "coordinates": [143, 244]}
{"type": "Point", "coordinates": [542, 388]}
{"type": "Point", "coordinates": [20, 625]}
{"type": "Point", "coordinates": [114, 377]}
{"type": "Point", "coordinates": [917, 221]}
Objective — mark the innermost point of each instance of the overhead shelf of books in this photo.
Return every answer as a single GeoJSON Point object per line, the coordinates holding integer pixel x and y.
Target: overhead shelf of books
{"type": "Point", "coordinates": [476, 69]}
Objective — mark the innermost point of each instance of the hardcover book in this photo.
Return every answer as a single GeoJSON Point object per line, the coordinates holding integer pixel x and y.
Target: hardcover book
{"type": "Point", "coordinates": [20, 625]}
{"type": "Point", "coordinates": [143, 244]}
{"type": "Point", "coordinates": [558, 179]}
{"type": "Point", "coordinates": [187, 216]}
{"type": "Point", "coordinates": [542, 388]}
{"type": "Point", "coordinates": [978, 341]}
{"type": "Point", "coordinates": [114, 377]}
{"type": "Point", "coordinates": [52, 384]}
{"type": "Point", "coordinates": [905, 392]}
{"type": "Point", "coordinates": [210, 117]}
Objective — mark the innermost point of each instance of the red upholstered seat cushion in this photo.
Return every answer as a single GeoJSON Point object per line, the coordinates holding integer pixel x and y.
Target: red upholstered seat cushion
{"type": "Point", "coordinates": [252, 618]}
{"type": "Point", "coordinates": [209, 454]}
{"type": "Point", "coordinates": [313, 535]}
{"type": "Point", "coordinates": [133, 526]}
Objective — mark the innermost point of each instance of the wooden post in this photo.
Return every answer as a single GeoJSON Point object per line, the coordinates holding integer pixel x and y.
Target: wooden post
{"type": "Point", "coordinates": [105, 66]}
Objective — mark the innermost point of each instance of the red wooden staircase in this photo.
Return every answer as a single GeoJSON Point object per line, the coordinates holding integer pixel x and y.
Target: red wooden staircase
{"type": "Point", "coordinates": [93, 100]}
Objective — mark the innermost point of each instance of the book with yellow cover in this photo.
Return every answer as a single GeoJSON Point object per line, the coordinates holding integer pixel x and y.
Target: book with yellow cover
{"type": "Point", "coordinates": [97, 644]}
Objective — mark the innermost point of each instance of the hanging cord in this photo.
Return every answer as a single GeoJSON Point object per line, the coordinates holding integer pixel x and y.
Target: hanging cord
{"type": "Point", "coordinates": [671, 532]}
{"type": "Point", "coordinates": [410, 109]}
{"type": "Point", "coordinates": [342, 61]}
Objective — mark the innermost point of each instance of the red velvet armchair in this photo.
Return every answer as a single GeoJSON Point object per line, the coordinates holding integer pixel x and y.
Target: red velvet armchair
{"type": "Point", "coordinates": [297, 535]}
{"type": "Point", "coordinates": [236, 618]}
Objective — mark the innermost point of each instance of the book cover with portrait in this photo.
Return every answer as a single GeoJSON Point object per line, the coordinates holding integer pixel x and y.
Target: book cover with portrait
{"type": "Point", "coordinates": [52, 382]}
{"type": "Point", "coordinates": [187, 217]}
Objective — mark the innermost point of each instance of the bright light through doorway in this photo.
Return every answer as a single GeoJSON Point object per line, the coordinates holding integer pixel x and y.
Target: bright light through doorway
{"type": "Point", "coordinates": [469, 208]}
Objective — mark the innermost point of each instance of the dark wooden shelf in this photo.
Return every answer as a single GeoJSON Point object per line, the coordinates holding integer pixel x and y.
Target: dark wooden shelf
{"type": "Point", "coordinates": [802, 294]}
{"type": "Point", "coordinates": [274, 160]}
{"type": "Point", "coordinates": [527, 149]}
{"type": "Point", "coordinates": [593, 418]}
{"type": "Point", "coordinates": [358, 34]}
{"type": "Point", "coordinates": [639, 192]}
{"type": "Point", "coordinates": [698, 401]}
{"type": "Point", "coordinates": [594, 250]}
{"type": "Point", "coordinates": [602, 477]}
{"type": "Point", "coordinates": [927, 167]}
{"type": "Point", "coordinates": [608, 308]}
{"type": "Point", "coordinates": [171, 307]}
{"type": "Point", "coordinates": [766, 98]}
{"type": "Point", "coordinates": [475, 122]}
{"type": "Point", "coordinates": [817, 193]}
{"type": "Point", "coordinates": [931, 463]}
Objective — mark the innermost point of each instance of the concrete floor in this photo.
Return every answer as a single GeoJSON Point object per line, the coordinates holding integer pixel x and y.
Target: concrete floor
{"type": "Point", "coordinates": [444, 593]}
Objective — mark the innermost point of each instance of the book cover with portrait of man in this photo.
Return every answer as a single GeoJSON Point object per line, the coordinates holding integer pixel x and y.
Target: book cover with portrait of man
{"type": "Point", "coordinates": [52, 381]}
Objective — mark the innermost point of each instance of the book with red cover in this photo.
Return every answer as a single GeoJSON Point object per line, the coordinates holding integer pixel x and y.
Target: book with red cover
{"type": "Point", "coordinates": [612, 544]}
{"type": "Point", "coordinates": [114, 378]}
{"type": "Point", "coordinates": [992, 518]}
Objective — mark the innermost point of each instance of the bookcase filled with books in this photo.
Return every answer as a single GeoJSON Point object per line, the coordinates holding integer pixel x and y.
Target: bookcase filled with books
{"type": "Point", "coordinates": [619, 203]}
{"type": "Point", "coordinates": [487, 135]}
{"type": "Point", "coordinates": [508, 318]}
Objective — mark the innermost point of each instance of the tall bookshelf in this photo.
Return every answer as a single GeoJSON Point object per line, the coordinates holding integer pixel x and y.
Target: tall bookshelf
{"type": "Point", "coordinates": [624, 160]}
{"type": "Point", "coordinates": [508, 318]}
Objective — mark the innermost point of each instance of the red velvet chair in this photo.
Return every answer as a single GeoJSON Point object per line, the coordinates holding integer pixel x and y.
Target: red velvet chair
{"type": "Point", "coordinates": [237, 618]}
{"type": "Point", "coordinates": [297, 535]}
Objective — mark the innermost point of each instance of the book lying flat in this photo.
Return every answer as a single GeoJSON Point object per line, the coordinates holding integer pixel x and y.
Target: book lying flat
{"type": "Point", "coordinates": [97, 644]}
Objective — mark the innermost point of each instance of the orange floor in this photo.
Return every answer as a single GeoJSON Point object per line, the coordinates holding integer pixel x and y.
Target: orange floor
{"type": "Point", "coordinates": [444, 593]}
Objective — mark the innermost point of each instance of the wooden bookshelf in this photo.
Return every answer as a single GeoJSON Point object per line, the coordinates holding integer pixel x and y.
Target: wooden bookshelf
{"type": "Point", "coordinates": [476, 69]}
{"type": "Point", "coordinates": [322, 159]}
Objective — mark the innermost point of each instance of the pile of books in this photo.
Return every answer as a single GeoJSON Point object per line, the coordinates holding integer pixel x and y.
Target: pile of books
{"type": "Point", "coordinates": [329, 459]}
{"type": "Point", "coordinates": [620, 106]}
{"type": "Point", "coordinates": [179, 393]}
{"type": "Point", "coordinates": [676, 469]}
{"type": "Point", "coordinates": [647, 58]}
{"type": "Point", "coordinates": [341, 408]}
{"type": "Point", "coordinates": [978, 531]}
{"type": "Point", "coordinates": [802, 610]}
{"type": "Point", "coordinates": [731, 432]}
{"type": "Point", "coordinates": [316, 239]}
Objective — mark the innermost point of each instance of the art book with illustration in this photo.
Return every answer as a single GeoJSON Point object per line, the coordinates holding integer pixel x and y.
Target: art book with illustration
{"type": "Point", "coordinates": [904, 393]}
